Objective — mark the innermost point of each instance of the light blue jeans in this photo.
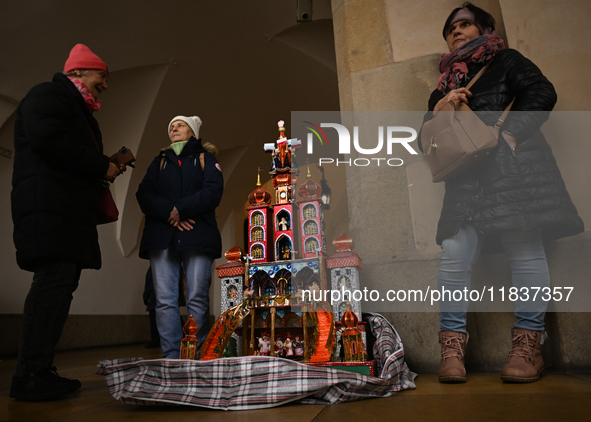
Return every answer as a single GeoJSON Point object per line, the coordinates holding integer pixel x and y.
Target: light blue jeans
{"type": "Point", "coordinates": [529, 268]}
{"type": "Point", "coordinates": [166, 271]}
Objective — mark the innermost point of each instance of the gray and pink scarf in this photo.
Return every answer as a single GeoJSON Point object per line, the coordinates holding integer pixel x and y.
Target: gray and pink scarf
{"type": "Point", "coordinates": [454, 66]}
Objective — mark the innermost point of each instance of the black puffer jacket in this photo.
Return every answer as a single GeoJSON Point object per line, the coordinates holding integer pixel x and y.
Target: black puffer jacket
{"type": "Point", "coordinates": [510, 190]}
{"type": "Point", "coordinates": [56, 177]}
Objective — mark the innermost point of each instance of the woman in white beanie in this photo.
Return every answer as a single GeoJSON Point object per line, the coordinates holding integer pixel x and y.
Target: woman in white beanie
{"type": "Point", "coordinates": [179, 195]}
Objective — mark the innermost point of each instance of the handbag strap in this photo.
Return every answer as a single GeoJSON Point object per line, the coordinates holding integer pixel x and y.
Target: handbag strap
{"type": "Point", "coordinates": [478, 75]}
{"type": "Point", "coordinates": [104, 182]}
{"type": "Point", "coordinates": [501, 120]}
{"type": "Point", "coordinates": [93, 137]}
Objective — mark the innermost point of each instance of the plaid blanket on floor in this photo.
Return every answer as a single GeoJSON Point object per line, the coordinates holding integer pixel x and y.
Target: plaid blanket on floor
{"type": "Point", "coordinates": [255, 382]}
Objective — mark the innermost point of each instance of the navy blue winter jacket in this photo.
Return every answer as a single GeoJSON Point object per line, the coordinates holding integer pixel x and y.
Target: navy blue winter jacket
{"type": "Point", "coordinates": [178, 181]}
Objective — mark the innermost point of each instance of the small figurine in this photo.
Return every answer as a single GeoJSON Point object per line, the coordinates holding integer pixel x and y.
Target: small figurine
{"type": "Point", "coordinates": [286, 254]}
{"type": "Point", "coordinates": [283, 224]}
{"type": "Point", "coordinates": [284, 155]}
{"type": "Point", "coordinates": [279, 347]}
{"type": "Point", "coordinates": [298, 346]}
{"type": "Point", "coordinates": [288, 346]}
{"type": "Point", "coordinates": [264, 345]}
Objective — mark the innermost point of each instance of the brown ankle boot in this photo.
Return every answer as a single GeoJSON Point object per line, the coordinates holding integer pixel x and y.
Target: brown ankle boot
{"type": "Point", "coordinates": [525, 363]}
{"type": "Point", "coordinates": [451, 368]}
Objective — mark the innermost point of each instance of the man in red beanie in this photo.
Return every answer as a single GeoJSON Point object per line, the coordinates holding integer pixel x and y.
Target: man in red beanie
{"type": "Point", "coordinates": [59, 169]}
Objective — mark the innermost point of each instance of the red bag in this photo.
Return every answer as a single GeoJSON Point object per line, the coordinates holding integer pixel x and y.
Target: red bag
{"type": "Point", "coordinates": [106, 211]}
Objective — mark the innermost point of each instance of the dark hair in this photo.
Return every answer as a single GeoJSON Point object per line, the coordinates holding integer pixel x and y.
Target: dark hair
{"type": "Point", "coordinates": [483, 19]}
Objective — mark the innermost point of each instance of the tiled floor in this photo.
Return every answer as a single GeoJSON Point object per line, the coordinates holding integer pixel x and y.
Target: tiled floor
{"type": "Point", "coordinates": [557, 397]}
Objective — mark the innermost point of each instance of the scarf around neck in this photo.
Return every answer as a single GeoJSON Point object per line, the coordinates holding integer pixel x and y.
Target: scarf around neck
{"type": "Point", "coordinates": [92, 103]}
{"type": "Point", "coordinates": [178, 147]}
{"type": "Point", "coordinates": [454, 66]}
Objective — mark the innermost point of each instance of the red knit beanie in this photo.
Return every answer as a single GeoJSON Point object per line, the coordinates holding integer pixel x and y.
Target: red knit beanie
{"type": "Point", "coordinates": [82, 58]}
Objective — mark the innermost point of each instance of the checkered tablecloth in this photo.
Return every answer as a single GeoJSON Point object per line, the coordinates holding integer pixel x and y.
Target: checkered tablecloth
{"type": "Point", "coordinates": [255, 382]}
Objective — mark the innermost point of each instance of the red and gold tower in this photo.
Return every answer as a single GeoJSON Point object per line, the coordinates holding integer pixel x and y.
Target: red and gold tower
{"type": "Point", "coordinates": [284, 172]}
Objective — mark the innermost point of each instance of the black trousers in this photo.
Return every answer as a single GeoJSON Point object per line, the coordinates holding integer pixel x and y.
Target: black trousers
{"type": "Point", "coordinates": [46, 310]}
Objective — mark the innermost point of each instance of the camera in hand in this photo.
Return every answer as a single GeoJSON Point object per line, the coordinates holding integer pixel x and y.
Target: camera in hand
{"type": "Point", "coordinates": [123, 157]}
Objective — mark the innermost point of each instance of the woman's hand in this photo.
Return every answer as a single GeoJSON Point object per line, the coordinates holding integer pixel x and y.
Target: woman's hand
{"type": "Point", "coordinates": [113, 172]}
{"type": "Point", "coordinates": [186, 224]}
{"type": "Point", "coordinates": [175, 220]}
{"type": "Point", "coordinates": [455, 96]}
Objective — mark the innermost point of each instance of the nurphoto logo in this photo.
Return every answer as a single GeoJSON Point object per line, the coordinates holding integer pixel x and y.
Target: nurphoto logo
{"type": "Point", "coordinates": [392, 135]}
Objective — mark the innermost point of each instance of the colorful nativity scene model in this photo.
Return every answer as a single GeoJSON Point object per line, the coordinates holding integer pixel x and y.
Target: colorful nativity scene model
{"type": "Point", "coordinates": [272, 296]}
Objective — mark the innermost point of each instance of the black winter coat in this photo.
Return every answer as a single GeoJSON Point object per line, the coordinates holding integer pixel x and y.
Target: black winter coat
{"type": "Point", "coordinates": [510, 190]}
{"type": "Point", "coordinates": [179, 182]}
{"type": "Point", "coordinates": [57, 177]}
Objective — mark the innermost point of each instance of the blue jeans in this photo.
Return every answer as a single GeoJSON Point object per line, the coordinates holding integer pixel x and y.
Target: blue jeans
{"type": "Point", "coordinates": [529, 268]}
{"type": "Point", "coordinates": [166, 270]}
{"type": "Point", "coordinates": [46, 310]}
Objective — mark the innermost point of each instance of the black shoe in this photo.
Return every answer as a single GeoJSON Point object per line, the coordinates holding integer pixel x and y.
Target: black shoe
{"type": "Point", "coordinates": [74, 384]}
{"type": "Point", "coordinates": [41, 386]}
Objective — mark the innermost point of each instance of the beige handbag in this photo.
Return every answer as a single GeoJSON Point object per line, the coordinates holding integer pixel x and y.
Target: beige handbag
{"type": "Point", "coordinates": [456, 139]}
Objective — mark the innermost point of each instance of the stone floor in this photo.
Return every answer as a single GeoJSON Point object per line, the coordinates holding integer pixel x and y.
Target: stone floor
{"type": "Point", "coordinates": [557, 397]}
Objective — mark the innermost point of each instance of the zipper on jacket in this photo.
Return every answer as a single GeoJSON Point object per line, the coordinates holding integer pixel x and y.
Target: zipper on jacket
{"type": "Point", "coordinates": [513, 152]}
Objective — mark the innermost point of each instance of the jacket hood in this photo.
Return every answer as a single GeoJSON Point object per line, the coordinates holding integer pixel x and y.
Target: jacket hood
{"type": "Point", "coordinates": [194, 146]}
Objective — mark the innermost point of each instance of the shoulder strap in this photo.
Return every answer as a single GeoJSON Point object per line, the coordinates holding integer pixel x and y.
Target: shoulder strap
{"type": "Point", "coordinates": [92, 133]}
{"type": "Point", "coordinates": [478, 75]}
{"type": "Point", "coordinates": [501, 120]}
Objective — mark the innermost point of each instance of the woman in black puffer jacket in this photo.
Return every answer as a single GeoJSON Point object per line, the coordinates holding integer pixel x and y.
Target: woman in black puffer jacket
{"type": "Point", "coordinates": [513, 200]}
{"type": "Point", "coordinates": [58, 174]}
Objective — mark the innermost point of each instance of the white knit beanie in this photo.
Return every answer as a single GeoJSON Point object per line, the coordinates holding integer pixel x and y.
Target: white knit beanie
{"type": "Point", "coordinates": [194, 123]}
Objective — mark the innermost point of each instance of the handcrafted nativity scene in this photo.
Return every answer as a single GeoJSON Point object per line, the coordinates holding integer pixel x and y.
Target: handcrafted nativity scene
{"type": "Point", "coordinates": [273, 301]}
{"type": "Point", "coordinates": [276, 331]}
